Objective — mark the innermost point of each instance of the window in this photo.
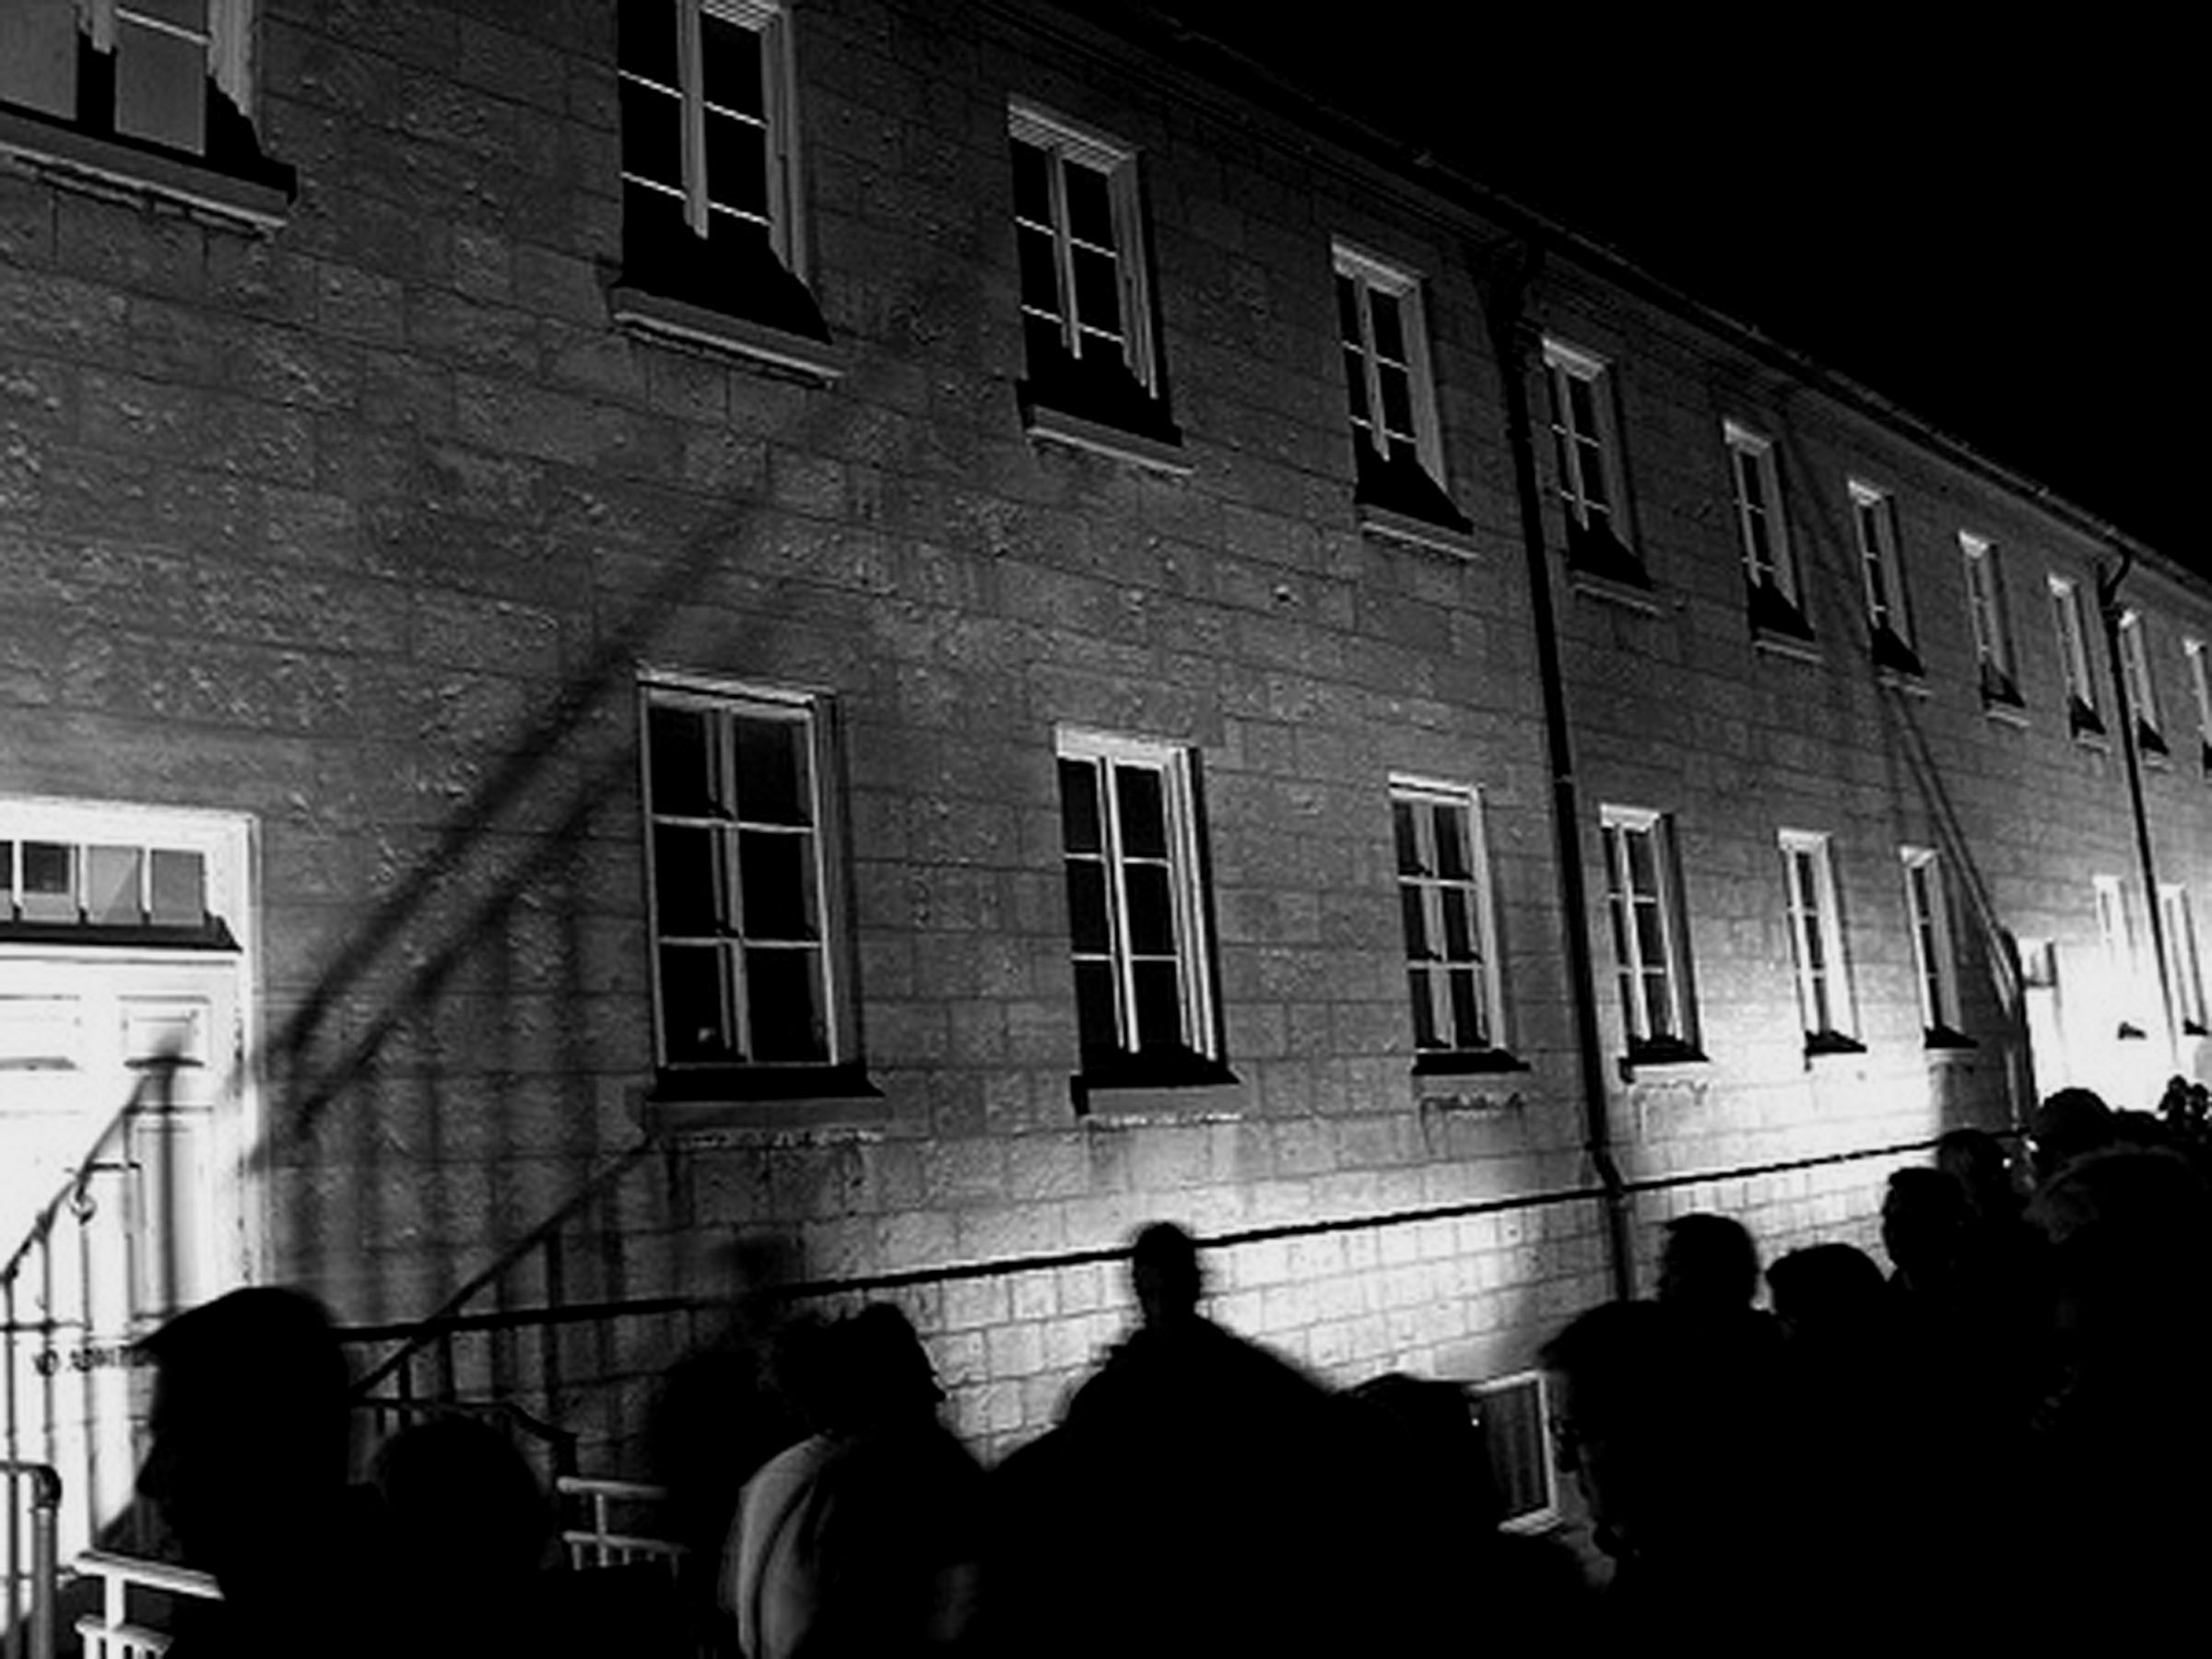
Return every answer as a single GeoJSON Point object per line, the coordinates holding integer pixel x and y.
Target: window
{"type": "Point", "coordinates": [1651, 954]}
{"type": "Point", "coordinates": [2074, 658]}
{"type": "Point", "coordinates": [1927, 908]}
{"type": "Point", "coordinates": [1874, 520]}
{"type": "Point", "coordinates": [711, 205]}
{"type": "Point", "coordinates": [1135, 904]}
{"type": "Point", "coordinates": [1769, 564]}
{"type": "Point", "coordinates": [2185, 971]}
{"type": "Point", "coordinates": [1451, 938]}
{"type": "Point", "coordinates": [748, 969]}
{"type": "Point", "coordinates": [1086, 308]}
{"type": "Point", "coordinates": [2116, 940]}
{"type": "Point", "coordinates": [110, 890]}
{"type": "Point", "coordinates": [2142, 692]}
{"type": "Point", "coordinates": [1817, 944]}
{"type": "Point", "coordinates": [2201, 688]}
{"type": "Point", "coordinates": [1985, 611]}
{"type": "Point", "coordinates": [1585, 445]}
{"type": "Point", "coordinates": [1386, 378]}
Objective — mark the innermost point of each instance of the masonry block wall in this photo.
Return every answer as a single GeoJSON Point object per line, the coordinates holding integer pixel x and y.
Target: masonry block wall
{"type": "Point", "coordinates": [368, 525]}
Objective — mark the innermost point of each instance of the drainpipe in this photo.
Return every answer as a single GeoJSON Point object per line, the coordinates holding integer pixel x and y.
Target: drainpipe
{"type": "Point", "coordinates": [1504, 311]}
{"type": "Point", "coordinates": [2110, 610]}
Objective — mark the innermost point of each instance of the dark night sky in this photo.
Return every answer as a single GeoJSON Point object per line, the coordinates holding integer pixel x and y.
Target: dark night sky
{"type": "Point", "coordinates": [1985, 224]}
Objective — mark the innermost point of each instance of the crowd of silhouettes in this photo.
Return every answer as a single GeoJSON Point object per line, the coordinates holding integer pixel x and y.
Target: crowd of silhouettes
{"type": "Point", "coordinates": [2001, 1440]}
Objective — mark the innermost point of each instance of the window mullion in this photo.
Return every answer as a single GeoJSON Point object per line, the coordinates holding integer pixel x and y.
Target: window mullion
{"type": "Point", "coordinates": [1064, 263]}
{"type": "Point", "coordinates": [1117, 886]}
{"type": "Point", "coordinates": [691, 71]}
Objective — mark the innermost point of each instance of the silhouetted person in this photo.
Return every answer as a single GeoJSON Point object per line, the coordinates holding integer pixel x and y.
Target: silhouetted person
{"type": "Point", "coordinates": [471, 1528]}
{"type": "Point", "coordinates": [2068, 1124]}
{"type": "Point", "coordinates": [1205, 1480]}
{"type": "Point", "coordinates": [248, 1466]}
{"type": "Point", "coordinates": [1976, 1160]}
{"type": "Point", "coordinates": [862, 1540]}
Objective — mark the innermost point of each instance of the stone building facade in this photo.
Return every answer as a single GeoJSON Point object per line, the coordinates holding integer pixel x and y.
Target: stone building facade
{"type": "Point", "coordinates": [1027, 679]}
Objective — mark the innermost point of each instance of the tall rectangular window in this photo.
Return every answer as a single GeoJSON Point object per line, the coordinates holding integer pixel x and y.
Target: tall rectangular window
{"type": "Point", "coordinates": [1873, 526]}
{"type": "Point", "coordinates": [2185, 971]}
{"type": "Point", "coordinates": [1451, 971]}
{"type": "Point", "coordinates": [1934, 967]}
{"type": "Point", "coordinates": [709, 198]}
{"type": "Point", "coordinates": [2142, 691]}
{"type": "Point", "coordinates": [1385, 351]}
{"type": "Point", "coordinates": [1585, 460]}
{"type": "Point", "coordinates": [1762, 529]}
{"type": "Point", "coordinates": [2116, 942]}
{"type": "Point", "coordinates": [1651, 954]}
{"type": "Point", "coordinates": [1135, 906]}
{"type": "Point", "coordinates": [1824, 1000]}
{"type": "Point", "coordinates": [1985, 611]}
{"type": "Point", "coordinates": [745, 965]}
{"type": "Point", "coordinates": [2074, 657]}
{"type": "Point", "coordinates": [1085, 305]}
{"type": "Point", "coordinates": [175, 74]}
{"type": "Point", "coordinates": [2200, 688]}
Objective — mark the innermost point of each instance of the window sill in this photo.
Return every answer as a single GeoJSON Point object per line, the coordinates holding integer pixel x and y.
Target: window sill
{"type": "Point", "coordinates": [1049, 425]}
{"type": "Point", "coordinates": [1789, 647]}
{"type": "Point", "coordinates": [1911, 682]}
{"type": "Point", "coordinates": [2152, 747]}
{"type": "Point", "coordinates": [1940, 1041]}
{"type": "Point", "coordinates": [109, 167]}
{"type": "Point", "coordinates": [1179, 1086]}
{"type": "Point", "coordinates": [1613, 590]}
{"type": "Point", "coordinates": [1465, 1063]}
{"type": "Point", "coordinates": [1665, 1059]}
{"type": "Point", "coordinates": [1822, 1045]}
{"type": "Point", "coordinates": [713, 1100]}
{"type": "Point", "coordinates": [2005, 713]}
{"type": "Point", "coordinates": [1387, 525]}
{"type": "Point", "coordinates": [678, 323]}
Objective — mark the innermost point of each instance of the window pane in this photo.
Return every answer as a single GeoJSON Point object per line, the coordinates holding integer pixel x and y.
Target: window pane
{"type": "Point", "coordinates": [1390, 327]}
{"type": "Point", "coordinates": [1643, 879]}
{"type": "Point", "coordinates": [730, 65]}
{"type": "Point", "coordinates": [1414, 907]}
{"type": "Point", "coordinates": [1032, 186]}
{"type": "Point", "coordinates": [1424, 1012]}
{"type": "Point", "coordinates": [112, 884]}
{"type": "Point", "coordinates": [1090, 205]}
{"type": "Point", "coordinates": [1459, 926]}
{"type": "Point", "coordinates": [1089, 930]}
{"type": "Point", "coordinates": [652, 133]}
{"type": "Point", "coordinates": [648, 39]}
{"type": "Point", "coordinates": [1347, 311]}
{"type": "Point", "coordinates": [1143, 807]}
{"type": "Point", "coordinates": [1467, 1027]}
{"type": "Point", "coordinates": [1409, 839]}
{"type": "Point", "coordinates": [1098, 291]}
{"type": "Point", "coordinates": [1094, 1007]}
{"type": "Point", "coordinates": [1040, 269]}
{"type": "Point", "coordinates": [776, 873]}
{"type": "Point", "coordinates": [1650, 936]}
{"type": "Point", "coordinates": [1158, 1005]}
{"type": "Point", "coordinates": [682, 771]}
{"type": "Point", "coordinates": [773, 785]}
{"type": "Point", "coordinates": [1658, 1004]}
{"type": "Point", "coordinates": [685, 902]}
{"type": "Point", "coordinates": [180, 888]}
{"type": "Point", "coordinates": [1397, 400]}
{"type": "Point", "coordinates": [694, 1024]}
{"type": "Point", "coordinates": [1079, 808]}
{"type": "Point", "coordinates": [160, 87]}
{"type": "Point", "coordinates": [731, 239]}
{"type": "Point", "coordinates": [653, 219]}
{"type": "Point", "coordinates": [48, 882]}
{"type": "Point", "coordinates": [1451, 856]}
{"type": "Point", "coordinates": [736, 166]}
{"type": "Point", "coordinates": [1151, 909]}
{"type": "Point", "coordinates": [783, 1005]}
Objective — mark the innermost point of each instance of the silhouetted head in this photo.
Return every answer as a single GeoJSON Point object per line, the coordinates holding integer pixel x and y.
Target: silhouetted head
{"type": "Point", "coordinates": [1923, 1224]}
{"type": "Point", "coordinates": [2067, 1124]}
{"type": "Point", "coordinates": [874, 1370]}
{"type": "Point", "coordinates": [463, 1502]}
{"type": "Point", "coordinates": [1163, 1270]}
{"type": "Point", "coordinates": [1613, 1375]}
{"type": "Point", "coordinates": [1827, 1292]}
{"type": "Point", "coordinates": [1977, 1161]}
{"type": "Point", "coordinates": [249, 1424]}
{"type": "Point", "coordinates": [1708, 1265]}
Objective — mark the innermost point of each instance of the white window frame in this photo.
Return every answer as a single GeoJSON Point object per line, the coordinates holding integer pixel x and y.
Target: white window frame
{"type": "Point", "coordinates": [1563, 364]}
{"type": "Point", "coordinates": [1985, 614]}
{"type": "Point", "coordinates": [1193, 957]}
{"type": "Point", "coordinates": [1368, 276]}
{"type": "Point", "coordinates": [1428, 889]}
{"type": "Point", "coordinates": [1751, 458]}
{"type": "Point", "coordinates": [811, 710]}
{"type": "Point", "coordinates": [1881, 572]}
{"type": "Point", "coordinates": [1648, 1026]}
{"type": "Point", "coordinates": [1066, 144]}
{"type": "Point", "coordinates": [1928, 919]}
{"type": "Point", "coordinates": [2142, 691]}
{"type": "Point", "coordinates": [2184, 966]}
{"type": "Point", "coordinates": [1817, 950]}
{"type": "Point", "coordinates": [2200, 686]}
{"type": "Point", "coordinates": [2074, 651]}
{"type": "Point", "coordinates": [771, 21]}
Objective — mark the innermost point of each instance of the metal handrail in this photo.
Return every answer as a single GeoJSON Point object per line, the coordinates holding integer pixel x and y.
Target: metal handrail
{"type": "Point", "coordinates": [45, 1482]}
{"type": "Point", "coordinates": [109, 1634]}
